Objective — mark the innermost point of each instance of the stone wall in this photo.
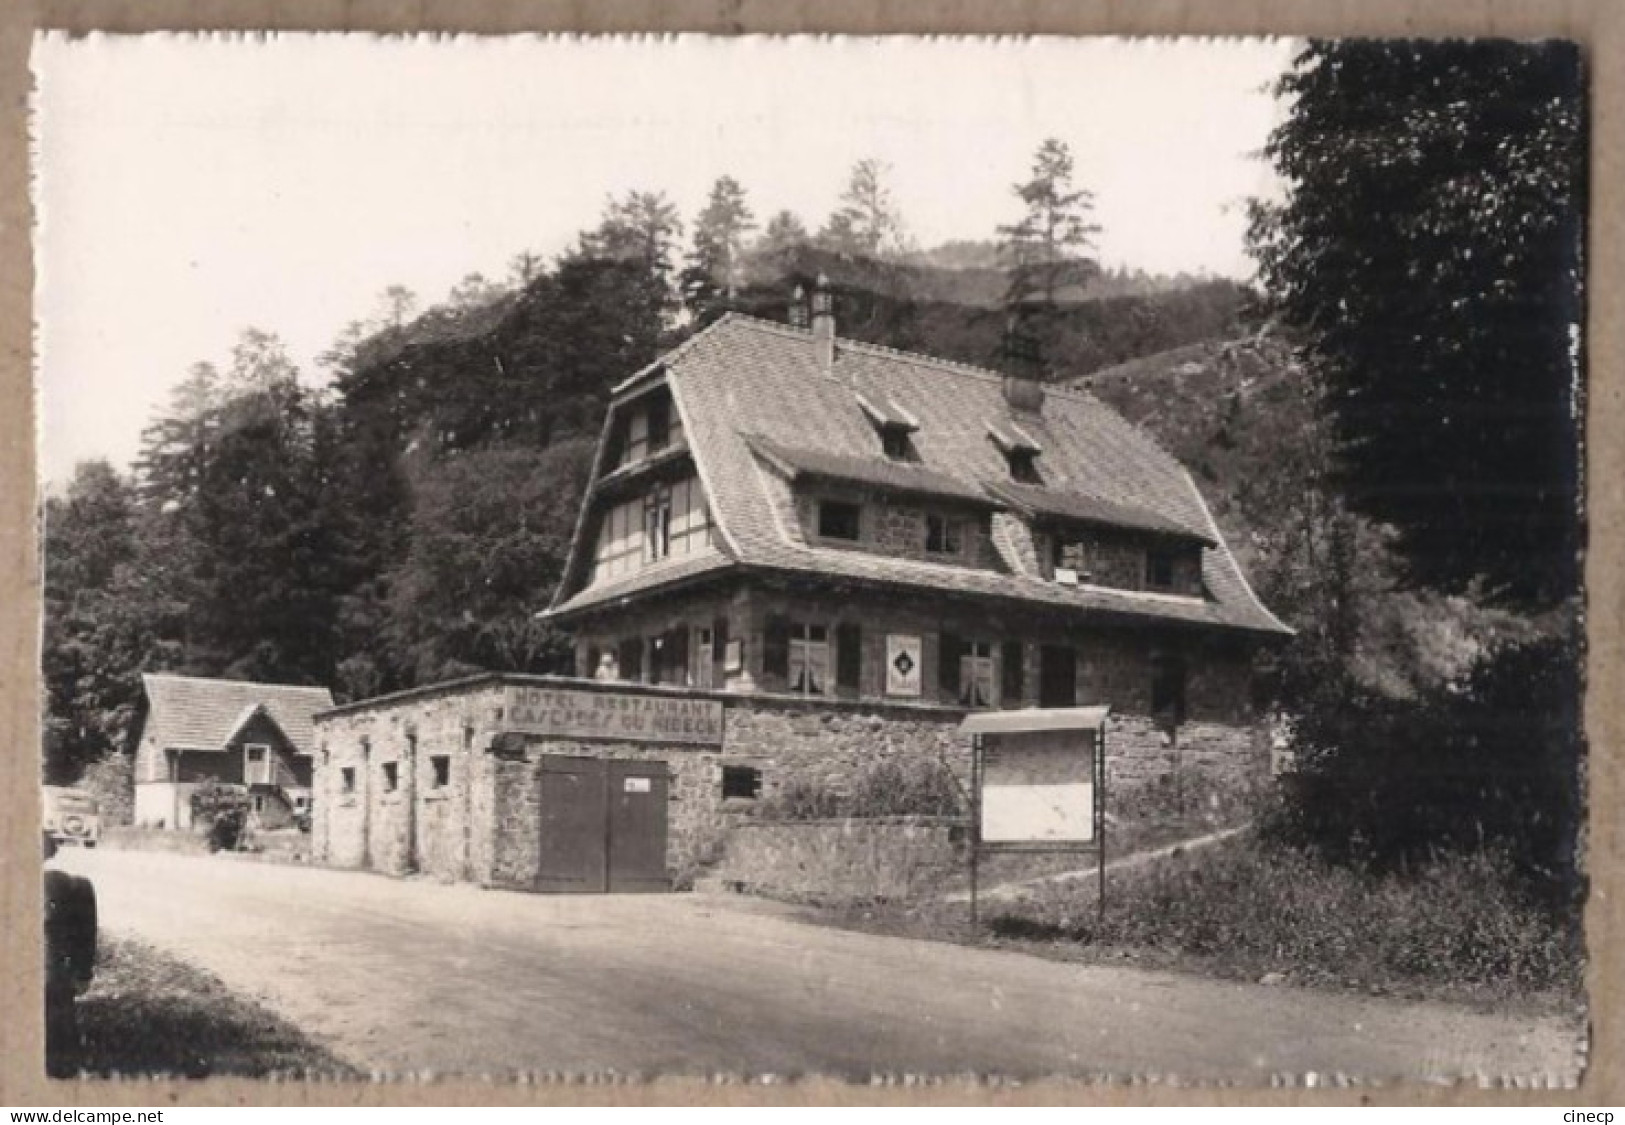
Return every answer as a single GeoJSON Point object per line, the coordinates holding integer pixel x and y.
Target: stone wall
{"type": "Point", "coordinates": [484, 823]}
{"type": "Point", "coordinates": [842, 861]}
{"type": "Point", "coordinates": [896, 527]}
{"type": "Point", "coordinates": [417, 826]}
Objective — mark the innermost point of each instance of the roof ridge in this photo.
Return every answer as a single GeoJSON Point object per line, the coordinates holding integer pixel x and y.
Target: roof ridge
{"type": "Point", "coordinates": [227, 680]}
{"type": "Point", "coordinates": [922, 359]}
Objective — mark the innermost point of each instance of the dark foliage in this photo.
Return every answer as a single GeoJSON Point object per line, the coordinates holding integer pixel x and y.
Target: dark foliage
{"type": "Point", "coordinates": [222, 810]}
{"type": "Point", "coordinates": [1458, 924]}
{"type": "Point", "coordinates": [1429, 248]}
{"type": "Point", "coordinates": [893, 304]}
{"type": "Point", "coordinates": [1493, 760]}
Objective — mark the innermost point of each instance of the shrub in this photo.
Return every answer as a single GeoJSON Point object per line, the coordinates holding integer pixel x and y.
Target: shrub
{"type": "Point", "coordinates": [886, 787]}
{"type": "Point", "coordinates": [222, 813]}
{"type": "Point", "coordinates": [1492, 761]}
{"type": "Point", "coordinates": [1462, 918]}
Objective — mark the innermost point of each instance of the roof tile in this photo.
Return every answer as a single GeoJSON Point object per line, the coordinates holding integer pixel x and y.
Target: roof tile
{"type": "Point", "coordinates": [203, 714]}
{"type": "Point", "coordinates": [745, 382]}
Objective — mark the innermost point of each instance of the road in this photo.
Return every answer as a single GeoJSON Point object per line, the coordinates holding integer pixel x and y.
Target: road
{"type": "Point", "coordinates": [409, 976]}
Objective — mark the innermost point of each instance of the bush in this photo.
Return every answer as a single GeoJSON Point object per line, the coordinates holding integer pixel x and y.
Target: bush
{"type": "Point", "coordinates": [1462, 918]}
{"type": "Point", "coordinates": [221, 811]}
{"type": "Point", "coordinates": [886, 787]}
{"type": "Point", "coordinates": [1494, 761]}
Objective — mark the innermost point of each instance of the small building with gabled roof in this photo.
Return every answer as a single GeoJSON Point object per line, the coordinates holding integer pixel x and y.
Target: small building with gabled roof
{"type": "Point", "coordinates": [774, 509]}
{"type": "Point", "coordinates": [237, 732]}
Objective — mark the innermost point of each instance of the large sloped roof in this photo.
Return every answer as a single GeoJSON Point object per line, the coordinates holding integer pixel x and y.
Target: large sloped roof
{"type": "Point", "coordinates": [193, 713]}
{"type": "Point", "coordinates": [746, 385]}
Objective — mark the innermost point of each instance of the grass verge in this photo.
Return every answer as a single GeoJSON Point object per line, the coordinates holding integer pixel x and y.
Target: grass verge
{"type": "Point", "coordinates": [150, 1015]}
{"type": "Point", "coordinates": [1459, 928]}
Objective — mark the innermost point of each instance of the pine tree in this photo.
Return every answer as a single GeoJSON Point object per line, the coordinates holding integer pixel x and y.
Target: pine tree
{"type": "Point", "coordinates": [867, 222]}
{"type": "Point", "coordinates": [1047, 249]}
{"type": "Point", "coordinates": [716, 262]}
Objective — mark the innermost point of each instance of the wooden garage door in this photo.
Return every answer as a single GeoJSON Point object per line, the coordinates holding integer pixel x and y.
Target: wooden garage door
{"type": "Point", "coordinates": [603, 826]}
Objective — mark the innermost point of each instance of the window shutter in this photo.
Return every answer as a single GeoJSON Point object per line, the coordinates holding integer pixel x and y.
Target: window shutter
{"type": "Point", "coordinates": [776, 648]}
{"type": "Point", "coordinates": [1012, 684]}
{"type": "Point", "coordinates": [719, 640]}
{"type": "Point", "coordinates": [848, 656]}
{"type": "Point", "coordinates": [948, 653]}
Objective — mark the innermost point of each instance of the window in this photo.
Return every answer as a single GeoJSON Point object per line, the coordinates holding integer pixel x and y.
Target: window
{"type": "Point", "coordinates": [1159, 569]}
{"type": "Point", "coordinates": [741, 782]}
{"type": "Point", "coordinates": [1057, 676]}
{"type": "Point", "coordinates": [657, 525]}
{"type": "Point", "coordinates": [629, 660]}
{"type": "Point", "coordinates": [347, 779]}
{"type": "Point", "coordinates": [809, 659]}
{"type": "Point", "coordinates": [1069, 554]}
{"type": "Point", "coordinates": [894, 441]}
{"type": "Point", "coordinates": [1012, 673]}
{"type": "Point", "coordinates": [1024, 466]}
{"type": "Point", "coordinates": [659, 424]}
{"type": "Point", "coordinates": [257, 803]}
{"type": "Point", "coordinates": [701, 668]}
{"type": "Point", "coordinates": [943, 535]}
{"type": "Point", "coordinates": [839, 520]}
{"type": "Point", "coordinates": [441, 765]}
{"type": "Point", "coordinates": [256, 763]}
{"type": "Point", "coordinates": [849, 657]}
{"type": "Point", "coordinates": [976, 674]}
{"type": "Point", "coordinates": [392, 776]}
{"type": "Point", "coordinates": [1168, 688]}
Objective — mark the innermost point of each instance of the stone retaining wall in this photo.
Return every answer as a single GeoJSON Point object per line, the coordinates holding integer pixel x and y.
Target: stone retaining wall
{"type": "Point", "coordinates": [842, 861]}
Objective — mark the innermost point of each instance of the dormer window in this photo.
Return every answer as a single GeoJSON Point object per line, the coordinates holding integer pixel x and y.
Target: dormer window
{"type": "Point", "coordinates": [1159, 569]}
{"type": "Point", "coordinates": [659, 425]}
{"type": "Point", "coordinates": [895, 426]}
{"type": "Point", "coordinates": [1024, 466]}
{"type": "Point", "coordinates": [1020, 451]}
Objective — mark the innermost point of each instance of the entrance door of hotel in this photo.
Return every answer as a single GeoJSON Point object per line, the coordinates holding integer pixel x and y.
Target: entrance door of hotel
{"type": "Point", "coordinates": [603, 826]}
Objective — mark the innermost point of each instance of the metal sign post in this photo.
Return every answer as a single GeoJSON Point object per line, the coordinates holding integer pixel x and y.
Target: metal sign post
{"type": "Point", "coordinates": [1032, 791]}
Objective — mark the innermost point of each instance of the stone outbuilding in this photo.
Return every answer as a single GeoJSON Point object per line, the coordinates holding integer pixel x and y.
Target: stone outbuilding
{"type": "Point", "coordinates": [559, 784]}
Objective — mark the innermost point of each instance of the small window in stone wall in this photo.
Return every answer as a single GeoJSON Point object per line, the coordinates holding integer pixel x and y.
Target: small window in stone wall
{"type": "Point", "coordinates": [838, 519]}
{"type": "Point", "coordinates": [943, 534]}
{"type": "Point", "coordinates": [741, 782]}
{"type": "Point", "coordinates": [441, 764]}
{"type": "Point", "coordinates": [1159, 569]}
{"type": "Point", "coordinates": [347, 779]}
{"type": "Point", "coordinates": [392, 776]}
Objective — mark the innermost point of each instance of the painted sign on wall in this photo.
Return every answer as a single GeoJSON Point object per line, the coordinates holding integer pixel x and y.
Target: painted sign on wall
{"type": "Point", "coordinates": [567, 713]}
{"type": "Point", "coordinates": [903, 664]}
{"type": "Point", "coordinates": [1038, 787]}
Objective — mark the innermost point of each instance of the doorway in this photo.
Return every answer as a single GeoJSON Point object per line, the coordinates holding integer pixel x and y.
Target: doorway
{"type": "Point", "coordinates": [603, 826]}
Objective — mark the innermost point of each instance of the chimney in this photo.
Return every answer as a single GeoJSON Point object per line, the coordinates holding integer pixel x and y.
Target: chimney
{"type": "Point", "coordinates": [1023, 371]}
{"type": "Point", "coordinates": [823, 323]}
{"type": "Point", "coordinates": [798, 308]}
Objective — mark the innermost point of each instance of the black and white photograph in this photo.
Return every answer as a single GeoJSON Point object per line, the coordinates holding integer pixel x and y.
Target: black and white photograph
{"type": "Point", "coordinates": [764, 558]}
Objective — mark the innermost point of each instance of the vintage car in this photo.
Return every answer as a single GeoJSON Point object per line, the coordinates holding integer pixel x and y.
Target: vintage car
{"type": "Point", "coordinates": [71, 816]}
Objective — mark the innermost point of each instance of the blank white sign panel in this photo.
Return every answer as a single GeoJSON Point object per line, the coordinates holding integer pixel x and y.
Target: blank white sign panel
{"type": "Point", "coordinates": [1039, 788]}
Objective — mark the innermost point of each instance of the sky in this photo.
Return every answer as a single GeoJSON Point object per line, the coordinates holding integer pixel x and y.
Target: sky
{"type": "Point", "coordinates": [188, 187]}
